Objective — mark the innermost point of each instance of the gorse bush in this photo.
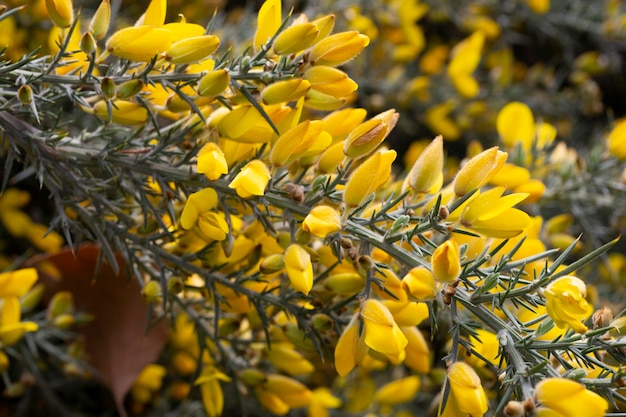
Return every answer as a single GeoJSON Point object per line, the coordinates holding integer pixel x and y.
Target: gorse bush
{"type": "Point", "coordinates": [241, 241]}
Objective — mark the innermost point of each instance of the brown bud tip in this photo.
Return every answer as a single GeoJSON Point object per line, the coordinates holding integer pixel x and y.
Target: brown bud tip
{"type": "Point", "coordinates": [443, 212]}
{"type": "Point", "coordinates": [514, 409]}
{"type": "Point", "coordinates": [529, 406]}
{"type": "Point", "coordinates": [602, 317]}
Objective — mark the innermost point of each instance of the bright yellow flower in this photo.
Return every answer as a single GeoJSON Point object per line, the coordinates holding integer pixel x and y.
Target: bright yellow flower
{"type": "Point", "coordinates": [516, 125]}
{"type": "Point", "coordinates": [123, 112]}
{"type": "Point", "coordinates": [154, 14]}
{"type": "Point", "coordinates": [320, 402]}
{"type": "Point", "coordinates": [492, 215]}
{"type": "Point", "coordinates": [382, 334]}
{"type": "Point", "coordinates": [299, 268]}
{"type": "Point", "coordinates": [467, 395]}
{"type": "Point", "coordinates": [368, 177]}
{"type": "Point", "coordinates": [617, 140]}
{"type": "Point", "coordinates": [437, 118]}
{"type": "Point", "coordinates": [190, 50]}
{"type": "Point", "coordinates": [341, 122]}
{"type": "Point", "coordinates": [331, 81]}
{"type": "Point", "coordinates": [351, 349]}
{"type": "Point", "coordinates": [566, 303]}
{"type": "Point", "coordinates": [269, 20]}
{"type": "Point", "coordinates": [280, 393]}
{"type": "Point", "coordinates": [338, 48]}
{"type": "Point", "coordinates": [398, 391]}
{"type": "Point", "coordinates": [147, 383]}
{"type": "Point", "coordinates": [61, 12]}
{"type": "Point", "coordinates": [287, 359]}
{"type": "Point", "coordinates": [539, 6]}
{"type": "Point", "coordinates": [322, 221]}
{"type": "Point", "coordinates": [211, 390]}
{"type": "Point", "coordinates": [479, 170]}
{"type": "Point", "coordinates": [446, 262]}
{"type": "Point", "coordinates": [296, 38]}
{"type": "Point", "coordinates": [568, 398]}
{"type": "Point", "coordinates": [465, 58]}
{"type": "Point", "coordinates": [417, 350]}
{"type": "Point", "coordinates": [214, 83]}
{"type": "Point", "coordinates": [212, 162]}
{"type": "Point", "coordinates": [331, 159]}
{"type": "Point", "coordinates": [368, 135]}
{"type": "Point", "coordinates": [306, 139]}
{"type": "Point", "coordinates": [285, 91]}
{"type": "Point", "coordinates": [183, 30]}
{"type": "Point", "coordinates": [11, 328]}
{"type": "Point", "coordinates": [251, 180]}
{"type": "Point", "coordinates": [139, 43]}
{"type": "Point", "coordinates": [420, 285]}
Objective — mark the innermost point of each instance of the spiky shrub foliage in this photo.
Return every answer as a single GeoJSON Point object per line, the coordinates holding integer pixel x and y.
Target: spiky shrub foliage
{"type": "Point", "coordinates": [263, 217]}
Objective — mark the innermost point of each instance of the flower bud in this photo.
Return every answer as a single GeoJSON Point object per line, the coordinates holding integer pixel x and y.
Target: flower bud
{"type": "Point", "coordinates": [252, 377]}
{"type": "Point", "coordinates": [325, 25]}
{"type": "Point", "coordinates": [212, 162]}
{"type": "Point", "coordinates": [299, 268]}
{"type": "Point", "coordinates": [190, 50]}
{"type": "Point", "coordinates": [296, 38]}
{"type": "Point", "coordinates": [322, 221]}
{"type": "Point", "coordinates": [61, 12]}
{"type": "Point", "coordinates": [446, 262]}
{"type": "Point", "coordinates": [330, 81]}
{"type": "Point", "coordinates": [368, 135]}
{"type": "Point", "coordinates": [139, 43]}
{"type": "Point", "coordinates": [122, 112]}
{"type": "Point", "coordinates": [152, 292]}
{"type": "Point", "coordinates": [25, 94]}
{"type": "Point", "coordinates": [479, 170]}
{"type": "Point", "coordinates": [272, 264]}
{"type": "Point", "coordinates": [370, 175]}
{"type": "Point", "coordinates": [398, 391]}
{"type": "Point", "coordinates": [60, 304]}
{"type": "Point", "coordinates": [305, 139]}
{"type": "Point", "coordinates": [100, 21]}
{"type": "Point", "coordinates": [427, 171]}
{"type": "Point", "coordinates": [88, 43]}
{"type": "Point", "coordinates": [129, 88]}
{"type": "Point", "coordinates": [214, 83]}
{"type": "Point", "coordinates": [108, 88]}
{"type": "Point", "coordinates": [175, 285]}
{"type": "Point", "coordinates": [338, 48]}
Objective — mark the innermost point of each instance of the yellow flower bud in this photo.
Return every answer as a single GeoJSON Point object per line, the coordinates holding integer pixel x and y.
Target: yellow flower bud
{"type": "Point", "coordinates": [338, 48]}
{"type": "Point", "coordinates": [566, 303]}
{"type": "Point", "coordinates": [139, 43]}
{"type": "Point", "coordinates": [467, 394]}
{"type": "Point", "coordinates": [382, 334]}
{"type": "Point", "coordinates": [325, 25]}
{"type": "Point", "coordinates": [331, 159]}
{"type": "Point", "coordinates": [417, 351]}
{"type": "Point", "coordinates": [370, 175]}
{"type": "Point", "coordinates": [88, 43]}
{"type": "Point", "coordinates": [299, 268]}
{"type": "Point", "coordinates": [122, 112]}
{"type": "Point", "coordinates": [291, 392]}
{"type": "Point", "coordinates": [324, 102]}
{"type": "Point", "coordinates": [399, 391]}
{"type": "Point", "coordinates": [368, 135]}
{"type": "Point", "coordinates": [99, 23]}
{"type": "Point", "coordinates": [330, 81]}
{"type": "Point", "coordinates": [212, 162]}
{"type": "Point", "coordinates": [285, 91]}
{"type": "Point", "coordinates": [25, 94]}
{"type": "Point", "coordinates": [322, 221]}
{"type": "Point", "coordinates": [107, 85]}
{"type": "Point", "coordinates": [296, 38]}
{"type": "Point", "coordinates": [17, 283]}
{"type": "Point", "coordinates": [4, 362]}
{"type": "Point", "coordinates": [272, 264]}
{"type": "Point", "coordinates": [12, 327]}
{"type": "Point", "coordinates": [61, 12]}
{"type": "Point", "coordinates": [286, 359]}
{"type": "Point", "coordinates": [420, 285]}
{"type": "Point", "coordinates": [152, 292]}
{"type": "Point", "coordinates": [427, 171]}
{"type": "Point", "coordinates": [569, 398]}
{"type": "Point", "coordinates": [190, 50]}
{"type": "Point", "coordinates": [617, 140]}
{"type": "Point", "coordinates": [129, 89]}
{"type": "Point", "coordinates": [306, 139]}
{"type": "Point", "coordinates": [341, 122]}
{"type": "Point", "coordinates": [214, 83]}
{"type": "Point", "coordinates": [446, 262]}
{"type": "Point", "coordinates": [251, 180]}
{"type": "Point", "coordinates": [479, 170]}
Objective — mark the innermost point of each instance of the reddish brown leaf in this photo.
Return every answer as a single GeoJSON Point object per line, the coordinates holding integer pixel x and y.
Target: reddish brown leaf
{"type": "Point", "coordinates": [116, 341]}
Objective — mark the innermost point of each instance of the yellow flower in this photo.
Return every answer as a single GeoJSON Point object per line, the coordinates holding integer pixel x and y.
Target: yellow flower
{"type": "Point", "coordinates": [296, 38]}
{"type": "Point", "coordinates": [568, 398]}
{"type": "Point", "coordinates": [341, 122]}
{"type": "Point", "coordinates": [251, 180]}
{"type": "Point", "coordinates": [420, 285]}
{"type": "Point", "coordinates": [212, 162]}
{"type": "Point", "coordinates": [382, 334]}
{"type": "Point", "coordinates": [154, 14]}
{"type": "Point", "coordinates": [280, 393]}
{"type": "Point", "coordinates": [399, 391]}
{"type": "Point", "coordinates": [299, 268]}
{"type": "Point", "coordinates": [368, 177]}
{"type": "Point", "coordinates": [287, 359]}
{"type": "Point", "coordinates": [322, 221]}
{"type": "Point", "coordinates": [320, 402]}
{"type": "Point", "coordinates": [147, 383]}
{"type": "Point", "coordinates": [351, 348]}
{"type": "Point", "coordinates": [190, 50]}
{"type": "Point", "coordinates": [14, 284]}
{"type": "Point", "coordinates": [492, 215]}
{"type": "Point", "coordinates": [467, 395]}
{"type": "Point", "coordinates": [539, 6]}
{"type": "Point", "coordinates": [465, 58]}
{"type": "Point", "coordinates": [437, 118]}
{"type": "Point", "coordinates": [268, 21]}
{"type": "Point", "coordinates": [566, 304]}
{"type": "Point", "coordinates": [617, 140]}
{"type": "Point", "coordinates": [446, 262]}
{"type": "Point", "coordinates": [479, 170]}
{"type": "Point", "coordinates": [197, 204]}
{"type": "Point", "coordinates": [61, 12]}
{"type": "Point", "coordinates": [211, 390]}
{"type": "Point", "coordinates": [368, 135]}
{"type": "Point", "coordinates": [122, 112]}
{"type": "Point", "coordinates": [515, 124]}
{"type": "Point", "coordinates": [306, 139]}
{"type": "Point", "coordinates": [331, 81]}
{"type": "Point", "coordinates": [214, 83]}
{"type": "Point", "coordinates": [100, 20]}
{"type": "Point", "coordinates": [285, 91]}
{"type": "Point", "coordinates": [426, 175]}
{"type": "Point", "coordinates": [139, 43]}
{"type": "Point", "coordinates": [11, 328]}
{"type": "Point", "coordinates": [417, 350]}
{"type": "Point", "coordinates": [338, 48]}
